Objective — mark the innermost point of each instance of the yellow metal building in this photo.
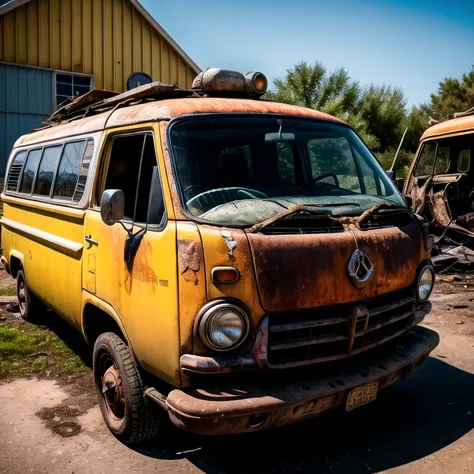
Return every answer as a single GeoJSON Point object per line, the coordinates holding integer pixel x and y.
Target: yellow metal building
{"type": "Point", "coordinates": [51, 50]}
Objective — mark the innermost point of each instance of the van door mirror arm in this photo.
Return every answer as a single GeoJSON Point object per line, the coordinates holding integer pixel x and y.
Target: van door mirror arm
{"type": "Point", "coordinates": [132, 243]}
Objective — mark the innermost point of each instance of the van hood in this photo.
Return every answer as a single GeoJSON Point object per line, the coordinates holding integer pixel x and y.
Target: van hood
{"type": "Point", "coordinates": [310, 270]}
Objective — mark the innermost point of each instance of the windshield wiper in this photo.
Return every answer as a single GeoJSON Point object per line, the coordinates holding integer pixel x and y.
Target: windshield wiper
{"type": "Point", "coordinates": [336, 204]}
{"type": "Point", "coordinates": [292, 211]}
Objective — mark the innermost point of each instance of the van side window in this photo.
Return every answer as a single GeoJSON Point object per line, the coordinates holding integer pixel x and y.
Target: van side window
{"type": "Point", "coordinates": [127, 153]}
{"type": "Point", "coordinates": [29, 171]}
{"type": "Point", "coordinates": [425, 162]}
{"type": "Point", "coordinates": [442, 160]}
{"type": "Point", "coordinates": [82, 180]}
{"type": "Point", "coordinates": [46, 170]}
{"type": "Point", "coordinates": [69, 169]}
{"type": "Point", "coordinates": [14, 174]}
{"type": "Point", "coordinates": [464, 161]}
{"type": "Point", "coordinates": [374, 186]}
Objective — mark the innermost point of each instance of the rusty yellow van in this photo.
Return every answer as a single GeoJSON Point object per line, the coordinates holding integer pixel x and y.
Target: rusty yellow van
{"type": "Point", "coordinates": [237, 263]}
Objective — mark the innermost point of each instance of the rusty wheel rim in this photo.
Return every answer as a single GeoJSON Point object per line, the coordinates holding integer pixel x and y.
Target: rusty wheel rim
{"type": "Point", "coordinates": [112, 389]}
{"type": "Point", "coordinates": [21, 296]}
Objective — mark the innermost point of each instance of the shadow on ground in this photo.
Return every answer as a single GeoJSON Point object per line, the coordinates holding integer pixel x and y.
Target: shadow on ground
{"type": "Point", "coordinates": [411, 420]}
{"type": "Point", "coordinates": [72, 338]}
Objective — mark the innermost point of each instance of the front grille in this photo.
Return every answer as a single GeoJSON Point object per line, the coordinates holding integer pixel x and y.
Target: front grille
{"type": "Point", "coordinates": [338, 332]}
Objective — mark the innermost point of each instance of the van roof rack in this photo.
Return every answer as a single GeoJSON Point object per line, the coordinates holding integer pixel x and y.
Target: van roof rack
{"type": "Point", "coordinates": [97, 101]}
{"type": "Point", "coordinates": [463, 114]}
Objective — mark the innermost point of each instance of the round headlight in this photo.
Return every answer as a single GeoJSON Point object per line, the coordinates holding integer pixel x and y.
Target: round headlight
{"type": "Point", "coordinates": [425, 283]}
{"type": "Point", "coordinates": [223, 327]}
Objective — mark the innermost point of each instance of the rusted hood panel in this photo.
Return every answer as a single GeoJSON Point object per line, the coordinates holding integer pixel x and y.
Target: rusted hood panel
{"type": "Point", "coordinates": [305, 271]}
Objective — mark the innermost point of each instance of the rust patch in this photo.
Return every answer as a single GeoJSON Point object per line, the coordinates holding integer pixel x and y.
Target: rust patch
{"type": "Point", "coordinates": [311, 270]}
{"type": "Point", "coordinates": [441, 214]}
{"type": "Point", "coordinates": [357, 221]}
{"type": "Point", "coordinates": [241, 407]}
{"type": "Point", "coordinates": [261, 225]}
{"type": "Point", "coordinates": [190, 258]}
{"type": "Point", "coordinates": [348, 222]}
{"type": "Point", "coordinates": [440, 209]}
{"type": "Point", "coordinates": [142, 271]}
{"type": "Point", "coordinates": [217, 365]}
{"type": "Point", "coordinates": [418, 196]}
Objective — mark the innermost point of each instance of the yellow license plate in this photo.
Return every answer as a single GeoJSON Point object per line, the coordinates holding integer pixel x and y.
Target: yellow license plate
{"type": "Point", "coordinates": [361, 396]}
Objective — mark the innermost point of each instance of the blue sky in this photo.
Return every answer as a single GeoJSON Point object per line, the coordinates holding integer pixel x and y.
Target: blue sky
{"type": "Point", "coordinates": [412, 44]}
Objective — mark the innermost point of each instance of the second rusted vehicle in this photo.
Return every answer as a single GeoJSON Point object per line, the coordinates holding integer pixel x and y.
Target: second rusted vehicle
{"type": "Point", "coordinates": [246, 264]}
{"type": "Point", "coordinates": [440, 186]}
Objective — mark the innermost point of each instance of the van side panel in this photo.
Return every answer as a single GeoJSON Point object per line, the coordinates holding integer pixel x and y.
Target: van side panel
{"type": "Point", "coordinates": [51, 244]}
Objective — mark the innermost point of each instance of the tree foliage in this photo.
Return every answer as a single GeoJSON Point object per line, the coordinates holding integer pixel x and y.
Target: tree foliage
{"type": "Point", "coordinates": [453, 96]}
{"type": "Point", "coordinates": [315, 88]}
{"type": "Point", "coordinates": [378, 113]}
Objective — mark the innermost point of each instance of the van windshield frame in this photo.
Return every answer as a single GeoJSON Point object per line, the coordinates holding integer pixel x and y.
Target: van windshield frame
{"type": "Point", "coordinates": [235, 134]}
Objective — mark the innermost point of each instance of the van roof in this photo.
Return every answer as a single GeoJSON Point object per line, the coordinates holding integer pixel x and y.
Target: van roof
{"type": "Point", "coordinates": [165, 110]}
{"type": "Point", "coordinates": [456, 125]}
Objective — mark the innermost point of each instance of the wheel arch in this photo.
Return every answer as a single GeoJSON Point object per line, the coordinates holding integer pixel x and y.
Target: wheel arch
{"type": "Point", "coordinates": [15, 262]}
{"type": "Point", "coordinates": [99, 317]}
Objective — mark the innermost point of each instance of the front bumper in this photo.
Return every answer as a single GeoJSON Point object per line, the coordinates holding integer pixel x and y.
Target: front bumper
{"type": "Point", "coordinates": [244, 407]}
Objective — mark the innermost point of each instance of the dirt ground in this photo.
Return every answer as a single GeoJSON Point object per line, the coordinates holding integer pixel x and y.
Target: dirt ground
{"type": "Point", "coordinates": [422, 425]}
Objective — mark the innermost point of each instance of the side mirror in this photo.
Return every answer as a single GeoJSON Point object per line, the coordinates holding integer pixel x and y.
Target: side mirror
{"type": "Point", "coordinates": [400, 184]}
{"type": "Point", "coordinates": [391, 174]}
{"type": "Point", "coordinates": [112, 206]}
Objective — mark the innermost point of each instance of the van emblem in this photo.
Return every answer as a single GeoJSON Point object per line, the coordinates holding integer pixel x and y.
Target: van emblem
{"type": "Point", "coordinates": [360, 268]}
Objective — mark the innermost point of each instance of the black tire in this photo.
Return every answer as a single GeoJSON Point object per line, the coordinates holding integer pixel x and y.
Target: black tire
{"type": "Point", "coordinates": [129, 415]}
{"type": "Point", "coordinates": [31, 308]}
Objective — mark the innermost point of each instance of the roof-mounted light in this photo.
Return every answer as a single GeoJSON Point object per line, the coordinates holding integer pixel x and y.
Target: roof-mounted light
{"type": "Point", "coordinates": [256, 82]}
{"type": "Point", "coordinates": [225, 83]}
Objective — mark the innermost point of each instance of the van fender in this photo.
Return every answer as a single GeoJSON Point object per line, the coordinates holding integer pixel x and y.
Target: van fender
{"type": "Point", "coordinates": [89, 298]}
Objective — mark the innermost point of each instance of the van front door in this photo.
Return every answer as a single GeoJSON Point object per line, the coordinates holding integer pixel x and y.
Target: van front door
{"type": "Point", "coordinates": [130, 267]}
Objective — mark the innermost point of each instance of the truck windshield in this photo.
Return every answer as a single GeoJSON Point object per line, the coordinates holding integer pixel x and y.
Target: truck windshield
{"type": "Point", "coordinates": [241, 170]}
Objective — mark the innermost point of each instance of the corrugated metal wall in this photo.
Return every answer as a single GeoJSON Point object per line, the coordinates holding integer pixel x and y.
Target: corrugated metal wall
{"type": "Point", "coordinates": [25, 101]}
{"type": "Point", "coordinates": [107, 38]}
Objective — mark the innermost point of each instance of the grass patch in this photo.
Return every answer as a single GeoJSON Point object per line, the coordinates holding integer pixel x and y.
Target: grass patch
{"type": "Point", "coordinates": [27, 349]}
{"type": "Point", "coordinates": [8, 290]}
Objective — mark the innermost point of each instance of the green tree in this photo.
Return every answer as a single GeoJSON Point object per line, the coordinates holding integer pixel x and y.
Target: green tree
{"type": "Point", "coordinates": [315, 88]}
{"type": "Point", "coordinates": [383, 110]}
{"type": "Point", "coordinates": [453, 96]}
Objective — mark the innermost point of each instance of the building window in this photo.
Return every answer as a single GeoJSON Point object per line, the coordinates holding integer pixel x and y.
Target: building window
{"type": "Point", "coordinates": [69, 85]}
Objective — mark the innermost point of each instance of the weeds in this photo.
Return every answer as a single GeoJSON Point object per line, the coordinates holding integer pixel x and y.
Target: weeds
{"type": "Point", "coordinates": [27, 349]}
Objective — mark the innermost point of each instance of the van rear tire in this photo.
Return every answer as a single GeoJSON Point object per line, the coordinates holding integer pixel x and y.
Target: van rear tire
{"type": "Point", "coordinates": [31, 308]}
{"type": "Point", "coordinates": [129, 415]}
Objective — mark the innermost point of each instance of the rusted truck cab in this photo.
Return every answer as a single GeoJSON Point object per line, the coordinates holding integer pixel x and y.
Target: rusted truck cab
{"type": "Point", "coordinates": [440, 182]}
{"type": "Point", "coordinates": [303, 276]}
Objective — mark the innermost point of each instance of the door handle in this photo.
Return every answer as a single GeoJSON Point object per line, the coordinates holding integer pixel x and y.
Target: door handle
{"type": "Point", "coordinates": [91, 241]}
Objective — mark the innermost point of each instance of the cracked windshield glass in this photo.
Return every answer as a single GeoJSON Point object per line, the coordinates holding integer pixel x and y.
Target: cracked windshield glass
{"type": "Point", "coordinates": [244, 170]}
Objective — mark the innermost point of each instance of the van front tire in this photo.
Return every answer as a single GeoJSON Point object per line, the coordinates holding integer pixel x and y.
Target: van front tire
{"type": "Point", "coordinates": [31, 308]}
{"type": "Point", "coordinates": [129, 415]}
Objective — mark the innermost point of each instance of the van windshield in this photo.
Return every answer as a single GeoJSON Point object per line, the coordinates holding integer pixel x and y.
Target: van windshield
{"type": "Point", "coordinates": [241, 170]}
